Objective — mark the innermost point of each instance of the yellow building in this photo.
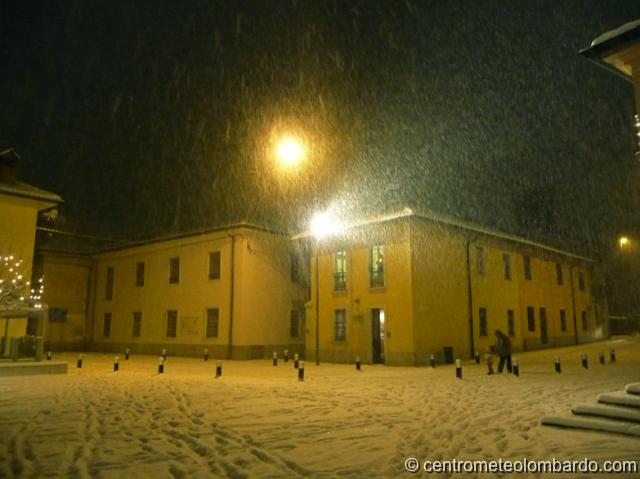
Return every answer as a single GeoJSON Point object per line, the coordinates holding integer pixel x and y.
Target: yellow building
{"type": "Point", "coordinates": [20, 204]}
{"type": "Point", "coordinates": [399, 288]}
{"type": "Point", "coordinates": [237, 291]}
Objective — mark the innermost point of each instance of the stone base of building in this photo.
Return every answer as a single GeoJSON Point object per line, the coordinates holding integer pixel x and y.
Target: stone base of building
{"type": "Point", "coordinates": [30, 368]}
{"type": "Point", "coordinates": [197, 350]}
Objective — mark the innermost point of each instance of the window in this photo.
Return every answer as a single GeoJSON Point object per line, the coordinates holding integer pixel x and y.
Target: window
{"type": "Point", "coordinates": [106, 325]}
{"type": "Point", "coordinates": [137, 324]}
{"type": "Point", "coordinates": [377, 266]}
{"type": "Point", "coordinates": [480, 266]}
{"type": "Point", "coordinates": [559, 278]}
{"type": "Point", "coordinates": [213, 322]}
{"type": "Point", "coordinates": [527, 267]}
{"type": "Point", "coordinates": [139, 274]}
{"type": "Point", "coordinates": [506, 260]}
{"type": "Point", "coordinates": [108, 293]}
{"type": "Point", "coordinates": [214, 265]}
{"type": "Point", "coordinates": [340, 271]}
{"type": "Point", "coordinates": [294, 323]}
{"type": "Point", "coordinates": [581, 280]}
{"type": "Point", "coordinates": [511, 323]}
{"type": "Point", "coordinates": [585, 321]}
{"type": "Point", "coordinates": [340, 328]}
{"type": "Point", "coordinates": [563, 320]}
{"type": "Point", "coordinates": [295, 268]}
{"type": "Point", "coordinates": [531, 319]}
{"type": "Point", "coordinates": [482, 314]}
{"type": "Point", "coordinates": [57, 315]}
{"type": "Point", "coordinates": [172, 323]}
{"type": "Point", "coordinates": [174, 270]}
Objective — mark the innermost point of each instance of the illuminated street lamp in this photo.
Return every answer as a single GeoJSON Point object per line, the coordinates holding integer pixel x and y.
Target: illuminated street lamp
{"type": "Point", "coordinates": [623, 241]}
{"type": "Point", "coordinates": [290, 152]}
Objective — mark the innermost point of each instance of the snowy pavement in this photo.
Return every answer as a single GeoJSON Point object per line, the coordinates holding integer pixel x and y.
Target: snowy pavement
{"type": "Point", "coordinates": [260, 421]}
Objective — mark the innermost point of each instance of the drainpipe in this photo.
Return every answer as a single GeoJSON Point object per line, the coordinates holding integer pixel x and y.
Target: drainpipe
{"type": "Point", "coordinates": [470, 296]}
{"type": "Point", "coordinates": [231, 295]}
{"type": "Point", "coordinates": [573, 304]}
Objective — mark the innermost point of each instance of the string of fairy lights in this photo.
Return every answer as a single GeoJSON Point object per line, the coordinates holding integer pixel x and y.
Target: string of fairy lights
{"type": "Point", "coordinates": [14, 289]}
{"type": "Point", "coordinates": [636, 124]}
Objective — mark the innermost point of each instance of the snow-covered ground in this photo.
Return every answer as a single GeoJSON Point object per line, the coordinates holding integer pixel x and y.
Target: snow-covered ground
{"type": "Point", "coordinates": [260, 421]}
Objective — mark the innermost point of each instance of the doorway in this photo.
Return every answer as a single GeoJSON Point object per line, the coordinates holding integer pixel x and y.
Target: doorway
{"type": "Point", "coordinates": [377, 335]}
{"type": "Point", "coordinates": [544, 335]}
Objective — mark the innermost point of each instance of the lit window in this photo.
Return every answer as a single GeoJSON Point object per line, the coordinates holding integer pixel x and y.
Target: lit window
{"type": "Point", "coordinates": [340, 271]}
{"type": "Point", "coordinates": [377, 266]}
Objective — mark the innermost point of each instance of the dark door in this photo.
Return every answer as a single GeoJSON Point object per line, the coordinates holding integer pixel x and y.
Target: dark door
{"type": "Point", "coordinates": [544, 337]}
{"type": "Point", "coordinates": [377, 335]}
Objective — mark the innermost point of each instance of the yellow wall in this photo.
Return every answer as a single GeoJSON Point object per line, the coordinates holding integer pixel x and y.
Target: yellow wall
{"type": "Point", "coordinates": [264, 295]}
{"type": "Point", "coordinates": [66, 279]}
{"type": "Point", "coordinates": [395, 298]}
{"type": "Point", "coordinates": [426, 295]}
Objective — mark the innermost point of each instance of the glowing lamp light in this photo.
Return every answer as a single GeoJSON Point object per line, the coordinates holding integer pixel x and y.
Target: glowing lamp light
{"type": "Point", "coordinates": [323, 225]}
{"type": "Point", "coordinates": [623, 241]}
{"type": "Point", "coordinates": [290, 151]}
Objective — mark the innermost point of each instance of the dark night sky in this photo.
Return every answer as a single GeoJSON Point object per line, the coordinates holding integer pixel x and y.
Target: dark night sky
{"type": "Point", "coordinates": [153, 117]}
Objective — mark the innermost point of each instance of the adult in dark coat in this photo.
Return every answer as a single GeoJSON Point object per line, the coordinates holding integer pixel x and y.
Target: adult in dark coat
{"type": "Point", "coordinates": [503, 350]}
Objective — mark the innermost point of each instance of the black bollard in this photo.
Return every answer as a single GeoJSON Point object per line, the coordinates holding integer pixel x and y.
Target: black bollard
{"type": "Point", "coordinates": [286, 355]}
{"type": "Point", "coordinates": [48, 355]}
{"type": "Point", "coordinates": [477, 356]}
{"type": "Point", "coordinates": [432, 361]}
{"type": "Point", "coordinates": [601, 357]}
{"type": "Point", "coordinates": [514, 367]}
{"type": "Point", "coordinates": [296, 360]}
{"type": "Point", "coordinates": [301, 371]}
{"type": "Point", "coordinates": [275, 359]}
{"type": "Point", "coordinates": [116, 364]}
{"type": "Point", "coordinates": [126, 354]}
{"type": "Point", "coordinates": [161, 365]}
{"type": "Point", "coordinates": [458, 369]}
{"type": "Point", "coordinates": [79, 362]}
{"type": "Point", "coordinates": [556, 364]}
{"type": "Point", "coordinates": [206, 355]}
{"type": "Point", "coordinates": [164, 354]}
{"type": "Point", "coordinates": [358, 364]}
{"type": "Point", "coordinates": [612, 355]}
{"type": "Point", "coordinates": [218, 369]}
{"type": "Point", "coordinates": [585, 361]}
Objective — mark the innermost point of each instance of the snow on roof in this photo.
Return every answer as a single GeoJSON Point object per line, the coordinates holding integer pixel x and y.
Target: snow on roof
{"type": "Point", "coordinates": [25, 190]}
{"type": "Point", "coordinates": [408, 213]}
{"type": "Point", "coordinates": [632, 27]}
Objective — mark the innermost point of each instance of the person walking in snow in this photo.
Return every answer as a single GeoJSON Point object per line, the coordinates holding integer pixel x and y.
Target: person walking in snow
{"type": "Point", "coordinates": [503, 350]}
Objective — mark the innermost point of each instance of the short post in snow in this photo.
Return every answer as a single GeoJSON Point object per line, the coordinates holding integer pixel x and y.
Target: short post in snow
{"type": "Point", "coordinates": [556, 364]}
{"type": "Point", "coordinates": [116, 364]}
{"type": "Point", "coordinates": [161, 365]}
{"type": "Point", "coordinates": [458, 368]}
{"type": "Point", "coordinates": [358, 364]}
{"type": "Point", "coordinates": [601, 357]}
{"type": "Point", "coordinates": [164, 354]}
{"type": "Point", "coordinates": [286, 355]}
{"type": "Point", "coordinates": [48, 355]}
{"type": "Point", "coordinates": [127, 352]}
{"type": "Point", "coordinates": [612, 355]}
{"type": "Point", "coordinates": [301, 371]}
{"type": "Point", "coordinates": [432, 361]}
{"type": "Point", "coordinates": [206, 355]}
{"type": "Point", "coordinates": [296, 360]}
{"type": "Point", "coordinates": [275, 358]}
{"type": "Point", "coordinates": [477, 357]}
{"type": "Point", "coordinates": [218, 369]}
{"type": "Point", "coordinates": [79, 362]}
{"type": "Point", "coordinates": [514, 367]}
{"type": "Point", "coordinates": [585, 361]}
